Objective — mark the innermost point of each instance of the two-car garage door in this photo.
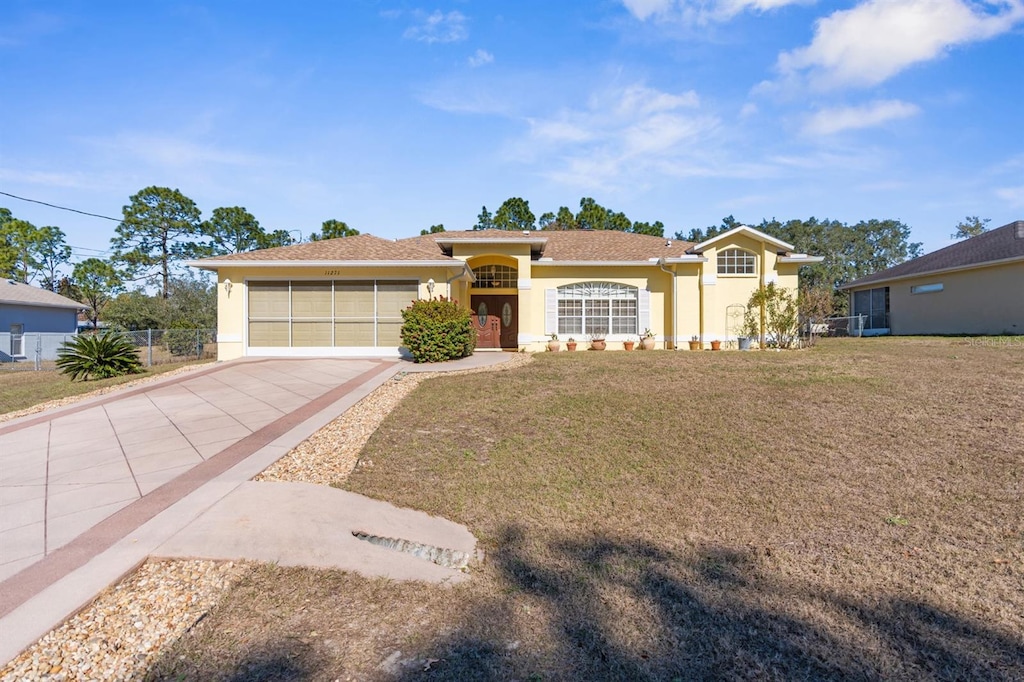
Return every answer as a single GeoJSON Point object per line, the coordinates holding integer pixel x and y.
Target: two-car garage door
{"type": "Point", "coordinates": [327, 314]}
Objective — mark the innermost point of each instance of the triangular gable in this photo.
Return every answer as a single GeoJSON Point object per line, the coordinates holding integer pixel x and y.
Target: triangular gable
{"type": "Point", "coordinates": [747, 230]}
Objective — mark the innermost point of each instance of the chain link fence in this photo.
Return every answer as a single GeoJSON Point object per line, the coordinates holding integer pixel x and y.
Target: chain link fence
{"type": "Point", "coordinates": [37, 351]}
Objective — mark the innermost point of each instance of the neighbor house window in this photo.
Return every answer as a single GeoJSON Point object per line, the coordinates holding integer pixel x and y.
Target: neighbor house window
{"type": "Point", "coordinates": [926, 288]}
{"type": "Point", "coordinates": [736, 262]}
{"type": "Point", "coordinates": [873, 304]}
{"type": "Point", "coordinates": [328, 313]}
{"type": "Point", "coordinates": [594, 308]}
{"type": "Point", "coordinates": [496, 276]}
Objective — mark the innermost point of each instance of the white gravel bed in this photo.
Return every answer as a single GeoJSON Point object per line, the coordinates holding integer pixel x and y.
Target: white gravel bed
{"type": "Point", "coordinates": [126, 627]}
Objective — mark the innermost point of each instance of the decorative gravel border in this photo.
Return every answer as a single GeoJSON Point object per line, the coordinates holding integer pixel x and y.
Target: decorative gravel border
{"type": "Point", "coordinates": [119, 634]}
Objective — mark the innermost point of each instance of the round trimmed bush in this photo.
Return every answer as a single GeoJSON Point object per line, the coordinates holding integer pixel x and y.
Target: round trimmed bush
{"type": "Point", "coordinates": [436, 330]}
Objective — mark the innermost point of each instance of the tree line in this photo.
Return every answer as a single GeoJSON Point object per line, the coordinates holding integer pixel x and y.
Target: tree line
{"type": "Point", "coordinates": [161, 227]}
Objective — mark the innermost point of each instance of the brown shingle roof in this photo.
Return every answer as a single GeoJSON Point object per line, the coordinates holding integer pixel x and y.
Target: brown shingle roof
{"type": "Point", "coordinates": [999, 244]}
{"type": "Point", "coordinates": [569, 245]}
{"type": "Point", "coordinates": [362, 247]}
{"type": "Point", "coordinates": [20, 293]}
{"type": "Point", "coordinates": [575, 245]}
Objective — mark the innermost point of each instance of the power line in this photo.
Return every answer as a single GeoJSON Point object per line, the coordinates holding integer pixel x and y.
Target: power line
{"type": "Point", "coordinates": [62, 208]}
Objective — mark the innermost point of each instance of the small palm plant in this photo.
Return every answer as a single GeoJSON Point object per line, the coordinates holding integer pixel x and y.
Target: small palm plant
{"type": "Point", "coordinates": [98, 356]}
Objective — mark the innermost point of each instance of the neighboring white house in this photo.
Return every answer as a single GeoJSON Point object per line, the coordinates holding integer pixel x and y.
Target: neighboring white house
{"type": "Point", "coordinates": [32, 318]}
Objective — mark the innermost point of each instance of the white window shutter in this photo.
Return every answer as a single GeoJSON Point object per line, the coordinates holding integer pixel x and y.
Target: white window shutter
{"type": "Point", "coordinates": [643, 308]}
{"type": "Point", "coordinates": [551, 311]}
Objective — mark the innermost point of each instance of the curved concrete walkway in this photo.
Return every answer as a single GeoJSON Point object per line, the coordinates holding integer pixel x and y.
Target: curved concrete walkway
{"type": "Point", "coordinates": [88, 491]}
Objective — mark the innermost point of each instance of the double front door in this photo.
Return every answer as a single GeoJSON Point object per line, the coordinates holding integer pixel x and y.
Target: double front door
{"type": "Point", "coordinates": [496, 319]}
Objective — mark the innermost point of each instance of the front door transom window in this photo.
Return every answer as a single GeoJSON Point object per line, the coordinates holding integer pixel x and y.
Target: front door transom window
{"type": "Point", "coordinates": [496, 277]}
{"type": "Point", "coordinates": [596, 308]}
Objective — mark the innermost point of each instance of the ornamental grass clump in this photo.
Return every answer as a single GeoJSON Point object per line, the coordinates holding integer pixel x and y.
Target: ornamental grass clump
{"type": "Point", "coordinates": [98, 356]}
{"type": "Point", "coordinates": [436, 330]}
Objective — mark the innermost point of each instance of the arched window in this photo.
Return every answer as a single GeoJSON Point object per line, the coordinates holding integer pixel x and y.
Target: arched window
{"type": "Point", "coordinates": [496, 277]}
{"type": "Point", "coordinates": [596, 308]}
{"type": "Point", "coordinates": [736, 262]}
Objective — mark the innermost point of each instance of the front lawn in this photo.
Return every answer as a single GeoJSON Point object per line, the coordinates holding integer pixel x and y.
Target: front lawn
{"type": "Point", "coordinates": [852, 511]}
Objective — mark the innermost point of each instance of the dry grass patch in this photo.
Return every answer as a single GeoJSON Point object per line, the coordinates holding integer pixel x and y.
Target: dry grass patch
{"type": "Point", "coordinates": [24, 389]}
{"type": "Point", "coordinates": [682, 515]}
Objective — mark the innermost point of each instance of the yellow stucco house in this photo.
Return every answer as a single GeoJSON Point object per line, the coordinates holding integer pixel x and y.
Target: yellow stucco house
{"type": "Point", "coordinates": [344, 297]}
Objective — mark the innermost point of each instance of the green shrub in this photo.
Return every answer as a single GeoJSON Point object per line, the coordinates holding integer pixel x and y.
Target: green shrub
{"type": "Point", "coordinates": [99, 356]}
{"type": "Point", "coordinates": [184, 342]}
{"type": "Point", "coordinates": [437, 330]}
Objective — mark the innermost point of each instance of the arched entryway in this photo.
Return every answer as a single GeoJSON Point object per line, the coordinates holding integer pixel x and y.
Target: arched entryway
{"type": "Point", "coordinates": [494, 300]}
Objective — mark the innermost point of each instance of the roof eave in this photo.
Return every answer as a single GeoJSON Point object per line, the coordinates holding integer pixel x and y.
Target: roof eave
{"type": "Point", "coordinates": [801, 258]}
{"type": "Point", "coordinates": [37, 304]}
{"type": "Point", "coordinates": [928, 273]}
{"type": "Point", "coordinates": [215, 264]}
{"type": "Point", "coordinates": [594, 263]}
{"type": "Point", "coordinates": [686, 259]}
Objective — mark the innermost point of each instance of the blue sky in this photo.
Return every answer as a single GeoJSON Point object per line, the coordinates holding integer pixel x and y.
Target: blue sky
{"type": "Point", "coordinates": [394, 116]}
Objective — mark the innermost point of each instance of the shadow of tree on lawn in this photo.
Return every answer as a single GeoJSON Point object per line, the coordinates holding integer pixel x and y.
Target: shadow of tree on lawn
{"type": "Point", "coordinates": [628, 610]}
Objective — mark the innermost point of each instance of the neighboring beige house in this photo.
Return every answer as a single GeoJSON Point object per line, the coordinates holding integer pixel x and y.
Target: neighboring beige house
{"type": "Point", "coordinates": [344, 297]}
{"type": "Point", "coordinates": [973, 287]}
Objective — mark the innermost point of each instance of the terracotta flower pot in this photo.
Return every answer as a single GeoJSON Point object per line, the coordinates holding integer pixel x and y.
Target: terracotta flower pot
{"type": "Point", "coordinates": [554, 346]}
{"type": "Point", "coordinates": [647, 343]}
{"type": "Point", "coordinates": [716, 345]}
{"type": "Point", "coordinates": [628, 345]}
{"type": "Point", "coordinates": [598, 344]}
{"type": "Point", "coordinates": [571, 345]}
{"type": "Point", "coordinates": [694, 345]}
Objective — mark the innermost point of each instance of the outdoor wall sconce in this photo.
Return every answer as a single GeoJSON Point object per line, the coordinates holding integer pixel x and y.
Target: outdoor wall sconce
{"type": "Point", "coordinates": [227, 286]}
{"type": "Point", "coordinates": [430, 286]}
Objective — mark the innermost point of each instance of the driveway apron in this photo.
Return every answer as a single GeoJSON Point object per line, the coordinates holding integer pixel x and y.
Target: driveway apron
{"type": "Point", "coordinates": [75, 480]}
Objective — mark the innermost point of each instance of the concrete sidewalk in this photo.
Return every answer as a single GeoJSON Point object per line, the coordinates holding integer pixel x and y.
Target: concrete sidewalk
{"type": "Point", "coordinates": [90, 490]}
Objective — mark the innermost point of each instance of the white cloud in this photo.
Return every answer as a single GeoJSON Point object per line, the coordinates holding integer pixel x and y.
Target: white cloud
{"type": "Point", "coordinates": [696, 11]}
{"type": "Point", "coordinates": [1014, 196]}
{"type": "Point", "coordinates": [480, 58]}
{"type": "Point", "coordinates": [621, 134]}
{"type": "Point", "coordinates": [749, 109]}
{"type": "Point", "coordinates": [642, 9]}
{"type": "Point", "coordinates": [438, 27]}
{"type": "Point", "coordinates": [877, 39]}
{"type": "Point", "coordinates": [166, 151]}
{"type": "Point", "coordinates": [837, 119]}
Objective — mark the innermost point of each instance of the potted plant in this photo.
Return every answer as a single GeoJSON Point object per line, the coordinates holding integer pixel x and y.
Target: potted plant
{"type": "Point", "coordinates": [647, 340]}
{"type": "Point", "coordinates": [570, 344]}
{"type": "Point", "coordinates": [553, 344]}
{"type": "Point", "coordinates": [694, 342]}
{"type": "Point", "coordinates": [597, 342]}
{"type": "Point", "coordinates": [628, 344]}
{"type": "Point", "coordinates": [716, 345]}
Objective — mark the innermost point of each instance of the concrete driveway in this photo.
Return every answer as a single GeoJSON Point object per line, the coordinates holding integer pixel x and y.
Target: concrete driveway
{"type": "Point", "coordinates": [88, 491]}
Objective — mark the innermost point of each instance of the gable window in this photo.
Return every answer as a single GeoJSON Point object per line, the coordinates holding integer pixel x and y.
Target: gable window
{"type": "Point", "coordinates": [496, 277]}
{"type": "Point", "coordinates": [595, 308]}
{"type": "Point", "coordinates": [873, 304]}
{"type": "Point", "coordinates": [736, 262]}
